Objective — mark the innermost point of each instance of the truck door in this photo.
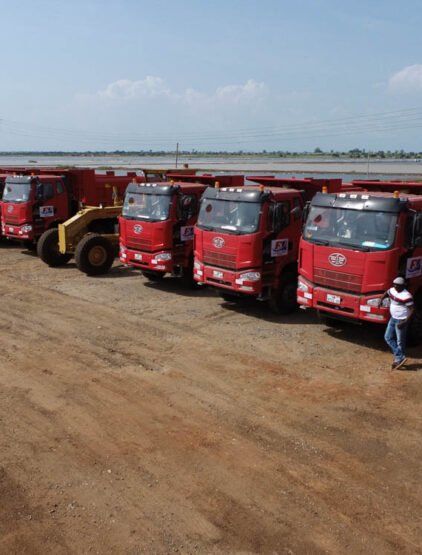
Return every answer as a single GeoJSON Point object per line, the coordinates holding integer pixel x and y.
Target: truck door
{"type": "Point", "coordinates": [51, 205]}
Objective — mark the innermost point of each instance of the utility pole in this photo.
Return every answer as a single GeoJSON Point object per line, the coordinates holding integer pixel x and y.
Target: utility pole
{"type": "Point", "coordinates": [367, 166]}
{"type": "Point", "coordinates": [177, 153]}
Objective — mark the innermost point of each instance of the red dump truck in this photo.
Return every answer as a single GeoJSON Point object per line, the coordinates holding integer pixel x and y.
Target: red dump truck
{"type": "Point", "coordinates": [247, 238]}
{"type": "Point", "coordinates": [157, 223]}
{"type": "Point", "coordinates": [37, 200]}
{"type": "Point", "coordinates": [354, 244]}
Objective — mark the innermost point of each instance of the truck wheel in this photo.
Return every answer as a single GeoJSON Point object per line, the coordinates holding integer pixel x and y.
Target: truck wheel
{"type": "Point", "coordinates": [48, 249]}
{"type": "Point", "coordinates": [283, 300]}
{"type": "Point", "coordinates": [94, 255]}
{"type": "Point", "coordinates": [153, 275]}
{"type": "Point", "coordinates": [415, 328]}
{"type": "Point", "coordinates": [187, 276]}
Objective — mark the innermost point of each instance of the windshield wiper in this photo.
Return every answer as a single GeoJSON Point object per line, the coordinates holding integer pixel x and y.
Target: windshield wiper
{"type": "Point", "coordinates": [323, 242]}
{"type": "Point", "coordinates": [363, 248]}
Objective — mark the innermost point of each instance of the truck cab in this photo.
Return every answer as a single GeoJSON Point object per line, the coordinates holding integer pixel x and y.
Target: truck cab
{"type": "Point", "coordinates": [354, 244]}
{"type": "Point", "coordinates": [246, 242]}
{"type": "Point", "coordinates": [156, 227]}
{"type": "Point", "coordinates": [31, 203]}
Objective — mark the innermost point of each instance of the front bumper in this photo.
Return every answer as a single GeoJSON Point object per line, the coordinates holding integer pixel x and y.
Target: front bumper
{"type": "Point", "coordinates": [145, 260]}
{"type": "Point", "coordinates": [341, 304]}
{"type": "Point", "coordinates": [229, 280]}
{"type": "Point", "coordinates": [19, 232]}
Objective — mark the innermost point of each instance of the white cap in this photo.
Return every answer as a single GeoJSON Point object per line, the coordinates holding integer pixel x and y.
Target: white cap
{"type": "Point", "coordinates": [399, 281]}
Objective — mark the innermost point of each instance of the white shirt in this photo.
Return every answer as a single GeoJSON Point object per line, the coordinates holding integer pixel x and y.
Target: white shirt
{"type": "Point", "coordinates": [400, 303]}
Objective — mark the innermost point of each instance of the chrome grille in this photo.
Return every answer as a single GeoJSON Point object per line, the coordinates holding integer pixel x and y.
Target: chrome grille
{"type": "Point", "coordinates": [220, 259]}
{"type": "Point", "coordinates": [337, 280]}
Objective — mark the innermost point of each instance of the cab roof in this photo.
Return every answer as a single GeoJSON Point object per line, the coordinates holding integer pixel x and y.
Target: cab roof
{"type": "Point", "coordinates": [164, 187]}
{"type": "Point", "coordinates": [29, 178]}
{"type": "Point", "coordinates": [250, 193]}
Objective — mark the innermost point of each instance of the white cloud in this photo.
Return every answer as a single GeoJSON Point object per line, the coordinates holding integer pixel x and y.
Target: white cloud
{"type": "Point", "coordinates": [154, 87]}
{"type": "Point", "coordinates": [251, 90]}
{"type": "Point", "coordinates": [408, 79]}
{"type": "Point", "coordinates": [125, 88]}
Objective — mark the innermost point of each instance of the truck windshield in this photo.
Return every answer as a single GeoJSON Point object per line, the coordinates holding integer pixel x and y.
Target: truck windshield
{"type": "Point", "coordinates": [236, 217]}
{"type": "Point", "coordinates": [350, 228]}
{"type": "Point", "coordinates": [16, 192]}
{"type": "Point", "coordinates": [146, 206]}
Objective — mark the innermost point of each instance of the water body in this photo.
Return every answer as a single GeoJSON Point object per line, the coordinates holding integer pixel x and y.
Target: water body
{"type": "Point", "coordinates": [303, 167]}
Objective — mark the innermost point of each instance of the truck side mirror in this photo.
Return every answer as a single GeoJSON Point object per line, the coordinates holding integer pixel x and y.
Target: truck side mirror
{"type": "Point", "coordinates": [416, 239]}
{"type": "Point", "coordinates": [296, 213]}
{"type": "Point", "coordinates": [39, 192]}
{"type": "Point", "coordinates": [186, 207]}
{"type": "Point", "coordinates": [281, 217]}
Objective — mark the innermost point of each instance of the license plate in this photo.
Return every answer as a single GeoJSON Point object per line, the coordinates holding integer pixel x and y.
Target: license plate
{"type": "Point", "coordinates": [335, 299]}
{"type": "Point", "coordinates": [138, 256]}
{"type": "Point", "coordinates": [217, 274]}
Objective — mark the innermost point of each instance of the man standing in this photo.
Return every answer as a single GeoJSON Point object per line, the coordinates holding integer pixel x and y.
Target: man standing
{"type": "Point", "coordinates": [401, 309]}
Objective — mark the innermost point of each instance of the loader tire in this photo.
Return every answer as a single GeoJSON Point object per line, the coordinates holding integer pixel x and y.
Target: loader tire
{"type": "Point", "coordinates": [94, 255]}
{"type": "Point", "coordinates": [48, 249]}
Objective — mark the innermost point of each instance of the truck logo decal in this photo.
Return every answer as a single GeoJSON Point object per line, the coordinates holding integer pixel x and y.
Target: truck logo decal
{"type": "Point", "coordinates": [46, 211]}
{"type": "Point", "coordinates": [218, 242]}
{"type": "Point", "coordinates": [279, 247]}
{"type": "Point", "coordinates": [414, 267]}
{"type": "Point", "coordinates": [186, 233]}
{"type": "Point", "coordinates": [10, 208]}
{"type": "Point", "coordinates": [337, 259]}
{"type": "Point", "coordinates": [138, 229]}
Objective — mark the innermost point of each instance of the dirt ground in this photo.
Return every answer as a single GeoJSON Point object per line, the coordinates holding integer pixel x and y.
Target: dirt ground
{"type": "Point", "coordinates": [146, 418]}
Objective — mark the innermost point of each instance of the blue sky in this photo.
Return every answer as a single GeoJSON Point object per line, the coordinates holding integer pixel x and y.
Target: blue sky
{"type": "Point", "coordinates": [210, 74]}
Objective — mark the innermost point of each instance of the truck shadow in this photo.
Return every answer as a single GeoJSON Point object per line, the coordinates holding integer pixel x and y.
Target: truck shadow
{"type": "Point", "coordinates": [118, 271]}
{"type": "Point", "coordinates": [256, 309]}
{"type": "Point", "coordinates": [175, 286]}
{"type": "Point", "coordinates": [373, 338]}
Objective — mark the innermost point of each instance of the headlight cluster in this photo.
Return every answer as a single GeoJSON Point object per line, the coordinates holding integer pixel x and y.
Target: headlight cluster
{"type": "Point", "coordinates": [302, 286]}
{"type": "Point", "coordinates": [162, 257]}
{"type": "Point", "coordinates": [250, 276]}
{"type": "Point", "coordinates": [375, 302]}
{"type": "Point", "coordinates": [26, 228]}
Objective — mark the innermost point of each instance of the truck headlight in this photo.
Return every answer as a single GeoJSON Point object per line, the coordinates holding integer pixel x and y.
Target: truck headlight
{"type": "Point", "coordinates": [302, 286]}
{"type": "Point", "coordinates": [250, 276]}
{"type": "Point", "coordinates": [26, 228]}
{"type": "Point", "coordinates": [163, 256]}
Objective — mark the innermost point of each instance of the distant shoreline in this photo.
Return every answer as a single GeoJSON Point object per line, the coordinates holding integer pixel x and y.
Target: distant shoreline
{"type": "Point", "coordinates": [218, 163]}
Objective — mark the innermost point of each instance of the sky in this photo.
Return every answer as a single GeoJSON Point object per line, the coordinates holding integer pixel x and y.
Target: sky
{"type": "Point", "coordinates": [214, 75]}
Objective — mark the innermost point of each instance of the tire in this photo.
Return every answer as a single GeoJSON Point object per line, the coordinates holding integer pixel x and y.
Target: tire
{"type": "Point", "coordinates": [153, 275]}
{"type": "Point", "coordinates": [48, 249]}
{"type": "Point", "coordinates": [187, 276]}
{"type": "Point", "coordinates": [284, 300]}
{"type": "Point", "coordinates": [414, 332]}
{"type": "Point", "coordinates": [94, 255]}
